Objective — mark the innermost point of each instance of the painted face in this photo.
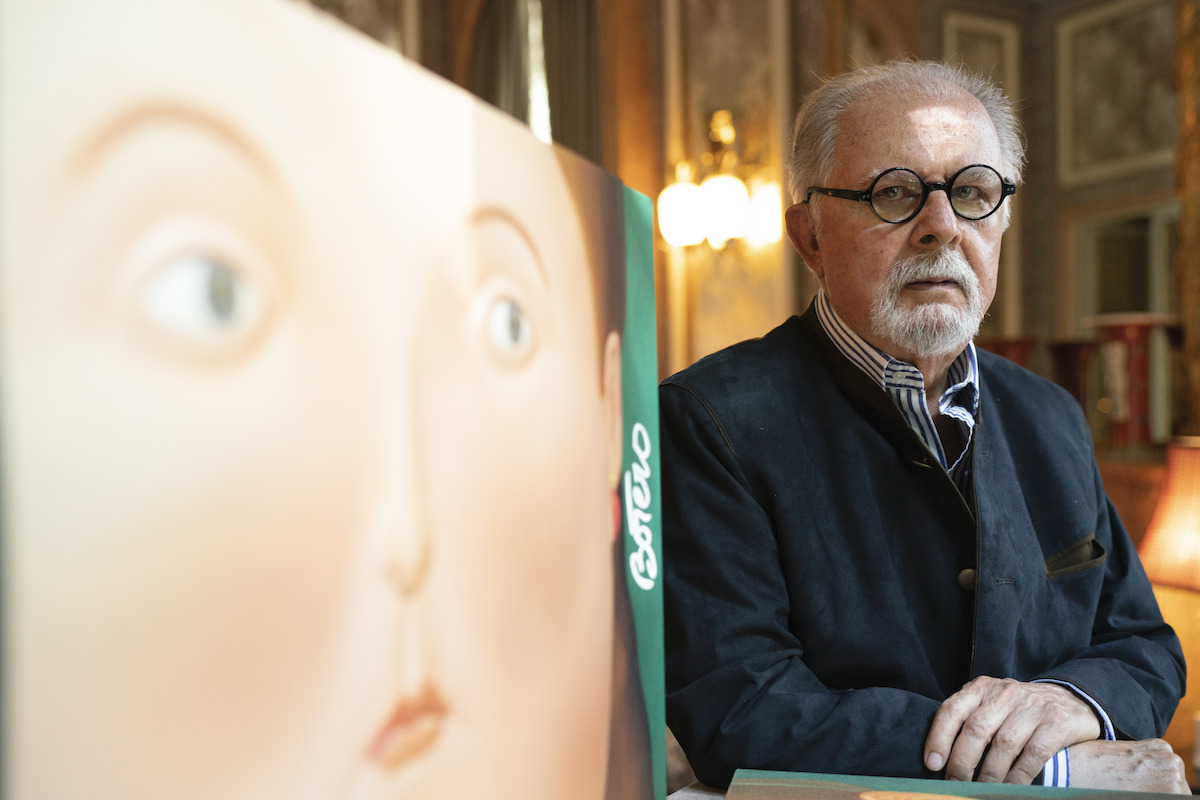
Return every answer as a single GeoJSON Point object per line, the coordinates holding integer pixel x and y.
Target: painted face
{"type": "Point", "coordinates": [509, 374]}
{"type": "Point", "coordinates": [881, 276]}
{"type": "Point", "coordinates": [307, 481]}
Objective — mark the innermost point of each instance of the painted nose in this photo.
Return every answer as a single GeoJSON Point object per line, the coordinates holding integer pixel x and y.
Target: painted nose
{"type": "Point", "coordinates": [403, 516]}
{"type": "Point", "coordinates": [409, 554]}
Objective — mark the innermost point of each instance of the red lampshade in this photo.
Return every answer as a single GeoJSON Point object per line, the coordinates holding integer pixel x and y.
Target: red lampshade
{"type": "Point", "coordinates": [1170, 550]}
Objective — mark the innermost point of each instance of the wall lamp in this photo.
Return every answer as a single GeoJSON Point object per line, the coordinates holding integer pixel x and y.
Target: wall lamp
{"type": "Point", "coordinates": [710, 201]}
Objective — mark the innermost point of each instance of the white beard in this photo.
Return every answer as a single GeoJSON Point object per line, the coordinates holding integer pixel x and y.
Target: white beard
{"type": "Point", "coordinates": [929, 329]}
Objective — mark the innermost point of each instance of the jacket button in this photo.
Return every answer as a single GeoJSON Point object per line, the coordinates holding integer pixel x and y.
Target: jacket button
{"type": "Point", "coordinates": [967, 579]}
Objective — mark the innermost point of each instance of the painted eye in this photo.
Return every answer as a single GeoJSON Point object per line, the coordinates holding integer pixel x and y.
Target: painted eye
{"type": "Point", "coordinates": [509, 328]}
{"type": "Point", "coordinates": [197, 295]}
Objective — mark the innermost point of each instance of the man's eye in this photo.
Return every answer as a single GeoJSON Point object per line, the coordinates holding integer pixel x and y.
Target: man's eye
{"type": "Point", "coordinates": [899, 192]}
{"type": "Point", "coordinates": [509, 328]}
{"type": "Point", "coordinates": [196, 295]}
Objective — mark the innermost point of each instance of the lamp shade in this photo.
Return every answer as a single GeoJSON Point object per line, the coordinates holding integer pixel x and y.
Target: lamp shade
{"type": "Point", "coordinates": [1170, 549]}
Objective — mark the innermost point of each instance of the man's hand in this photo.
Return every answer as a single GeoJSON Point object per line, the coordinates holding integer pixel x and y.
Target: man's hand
{"type": "Point", "coordinates": [1007, 729]}
{"type": "Point", "coordinates": [1146, 766]}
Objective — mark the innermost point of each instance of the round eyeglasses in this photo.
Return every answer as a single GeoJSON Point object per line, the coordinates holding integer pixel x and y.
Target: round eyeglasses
{"type": "Point", "coordinates": [899, 194]}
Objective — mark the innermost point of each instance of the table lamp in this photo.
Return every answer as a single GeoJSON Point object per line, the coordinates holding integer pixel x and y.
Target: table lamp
{"type": "Point", "coordinates": [1170, 553]}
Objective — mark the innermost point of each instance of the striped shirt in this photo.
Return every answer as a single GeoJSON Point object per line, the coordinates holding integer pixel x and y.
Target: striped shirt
{"type": "Point", "coordinates": [905, 384]}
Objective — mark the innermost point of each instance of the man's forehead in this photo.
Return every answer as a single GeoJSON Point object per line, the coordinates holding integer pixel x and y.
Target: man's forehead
{"type": "Point", "coordinates": [924, 125]}
{"type": "Point", "coordinates": [928, 103]}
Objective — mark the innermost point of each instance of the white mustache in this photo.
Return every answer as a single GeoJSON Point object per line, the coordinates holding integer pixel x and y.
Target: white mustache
{"type": "Point", "coordinates": [941, 265]}
{"type": "Point", "coordinates": [929, 328]}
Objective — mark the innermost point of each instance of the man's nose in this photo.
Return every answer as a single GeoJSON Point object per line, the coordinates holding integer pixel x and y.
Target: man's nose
{"type": "Point", "coordinates": [936, 224]}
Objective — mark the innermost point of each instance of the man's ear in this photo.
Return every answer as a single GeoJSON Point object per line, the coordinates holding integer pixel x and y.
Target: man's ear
{"type": "Point", "coordinates": [799, 223]}
{"type": "Point", "coordinates": [614, 423]}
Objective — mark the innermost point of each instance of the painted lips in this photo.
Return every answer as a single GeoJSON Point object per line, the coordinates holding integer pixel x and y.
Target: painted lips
{"type": "Point", "coordinates": [413, 726]}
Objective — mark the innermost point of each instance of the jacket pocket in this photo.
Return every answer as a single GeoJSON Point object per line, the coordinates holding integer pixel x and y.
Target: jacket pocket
{"type": "Point", "coordinates": [1083, 554]}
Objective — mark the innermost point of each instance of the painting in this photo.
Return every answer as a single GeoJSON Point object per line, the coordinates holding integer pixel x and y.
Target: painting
{"type": "Point", "coordinates": [987, 45]}
{"type": "Point", "coordinates": [328, 424]}
{"type": "Point", "coordinates": [1115, 91]}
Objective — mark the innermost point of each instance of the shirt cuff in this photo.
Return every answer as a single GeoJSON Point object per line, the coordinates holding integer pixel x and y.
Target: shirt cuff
{"type": "Point", "coordinates": [1057, 771]}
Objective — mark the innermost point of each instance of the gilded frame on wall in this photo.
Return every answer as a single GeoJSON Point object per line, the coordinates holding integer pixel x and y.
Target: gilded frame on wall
{"type": "Point", "coordinates": [1115, 90]}
{"type": "Point", "coordinates": [987, 45]}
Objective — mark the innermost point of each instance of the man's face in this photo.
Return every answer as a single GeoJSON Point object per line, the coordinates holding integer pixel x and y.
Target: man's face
{"type": "Point", "coordinates": [858, 258]}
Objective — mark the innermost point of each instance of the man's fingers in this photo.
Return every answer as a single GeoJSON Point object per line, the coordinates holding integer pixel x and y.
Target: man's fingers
{"type": "Point", "coordinates": [1019, 751]}
{"type": "Point", "coordinates": [1004, 730]}
{"type": "Point", "coordinates": [963, 727]}
{"type": "Point", "coordinates": [987, 737]}
{"type": "Point", "coordinates": [947, 723]}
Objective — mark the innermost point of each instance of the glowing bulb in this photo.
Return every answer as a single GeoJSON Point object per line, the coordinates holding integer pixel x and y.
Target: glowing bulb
{"type": "Point", "coordinates": [766, 214]}
{"type": "Point", "coordinates": [679, 217]}
{"type": "Point", "coordinates": [726, 208]}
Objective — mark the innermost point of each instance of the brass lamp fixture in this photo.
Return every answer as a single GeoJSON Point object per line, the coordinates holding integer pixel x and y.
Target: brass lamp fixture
{"type": "Point", "coordinates": [710, 201]}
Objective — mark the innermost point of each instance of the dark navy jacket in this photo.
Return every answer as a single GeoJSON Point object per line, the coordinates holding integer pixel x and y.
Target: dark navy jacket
{"type": "Point", "coordinates": [827, 585]}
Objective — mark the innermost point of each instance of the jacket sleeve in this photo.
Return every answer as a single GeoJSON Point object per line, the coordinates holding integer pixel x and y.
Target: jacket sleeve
{"type": "Point", "coordinates": [1133, 666]}
{"type": "Point", "coordinates": [1039, 465]}
{"type": "Point", "coordinates": [738, 691]}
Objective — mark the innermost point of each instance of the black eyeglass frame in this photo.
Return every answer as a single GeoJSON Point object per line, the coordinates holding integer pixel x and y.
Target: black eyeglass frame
{"type": "Point", "coordinates": [1007, 189]}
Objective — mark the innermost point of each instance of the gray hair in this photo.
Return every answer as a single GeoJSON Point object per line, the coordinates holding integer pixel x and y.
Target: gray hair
{"type": "Point", "coordinates": [814, 134]}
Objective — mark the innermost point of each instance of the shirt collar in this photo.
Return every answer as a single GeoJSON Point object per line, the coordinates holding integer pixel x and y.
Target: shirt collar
{"type": "Point", "coordinates": [892, 373]}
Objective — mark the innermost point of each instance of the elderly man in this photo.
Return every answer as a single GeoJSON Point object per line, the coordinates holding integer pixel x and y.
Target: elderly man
{"type": "Point", "coordinates": [886, 552]}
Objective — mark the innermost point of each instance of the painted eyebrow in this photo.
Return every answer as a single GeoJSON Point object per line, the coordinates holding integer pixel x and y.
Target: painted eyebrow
{"type": "Point", "coordinates": [501, 215]}
{"type": "Point", "coordinates": [142, 116]}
